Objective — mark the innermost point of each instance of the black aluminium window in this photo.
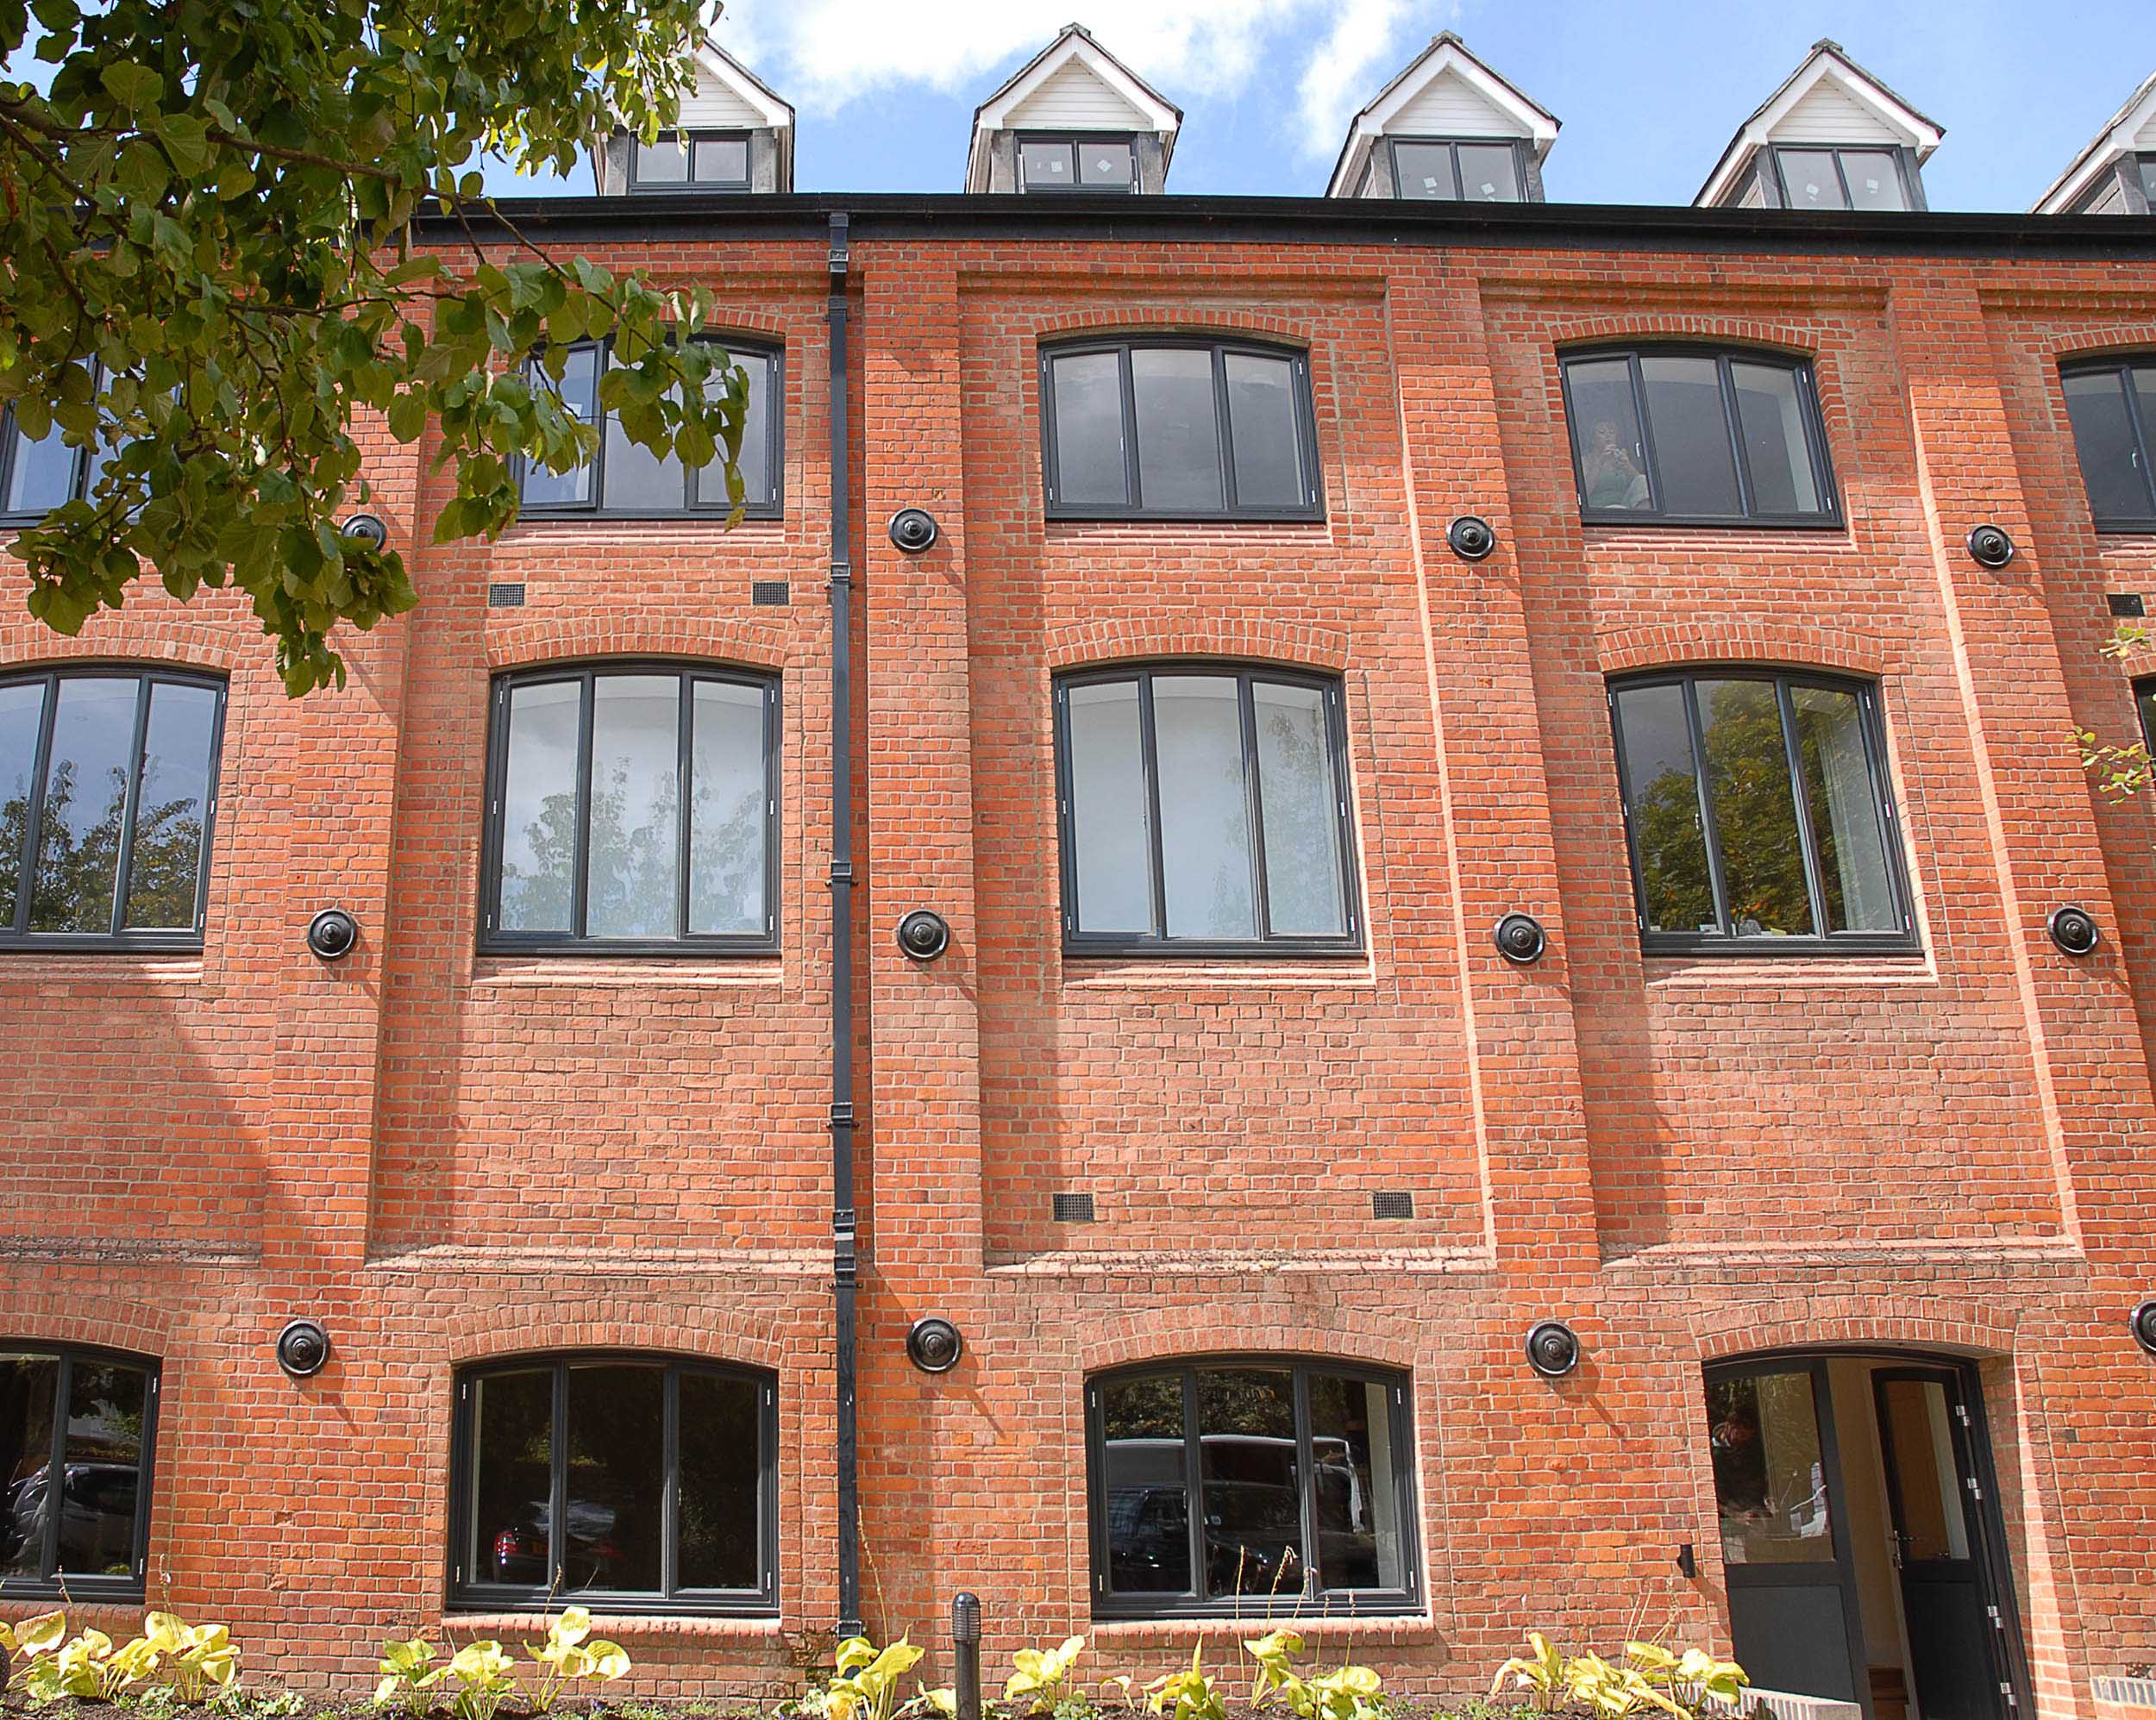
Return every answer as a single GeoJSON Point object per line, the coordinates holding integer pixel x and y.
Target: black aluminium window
{"type": "Point", "coordinates": [1104, 162]}
{"type": "Point", "coordinates": [1203, 810]}
{"type": "Point", "coordinates": [1759, 813]}
{"type": "Point", "coordinates": [2146, 164]}
{"type": "Point", "coordinates": [2144, 708]}
{"type": "Point", "coordinates": [1228, 1485]}
{"type": "Point", "coordinates": [589, 768]}
{"type": "Point", "coordinates": [1160, 428]}
{"type": "Point", "coordinates": [623, 480]}
{"type": "Point", "coordinates": [38, 474]}
{"type": "Point", "coordinates": [1844, 177]}
{"type": "Point", "coordinates": [2111, 403]}
{"type": "Point", "coordinates": [1487, 170]}
{"type": "Point", "coordinates": [108, 794]}
{"type": "Point", "coordinates": [643, 1483]}
{"type": "Point", "coordinates": [1693, 436]}
{"type": "Point", "coordinates": [88, 1416]}
{"type": "Point", "coordinates": [690, 161]}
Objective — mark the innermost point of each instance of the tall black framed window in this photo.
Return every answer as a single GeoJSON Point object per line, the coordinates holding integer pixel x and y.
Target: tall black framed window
{"type": "Point", "coordinates": [1691, 435]}
{"type": "Point", "coordinates": [1476, 170]}
{"type": "Point", "coordinates": [2145, 709]}
{"type": "Point", "coordinates": [1164, 428]}
{"type": "Point", "coordinates": [1844, 177]}
{"type": "Point", "coordinates": [78, 1432]}
{"type": "Point", "coordinates": [1223, 1487]}
{"type": "Point", "coordinates": [1204, 809]}
{"type": "Point", "coordinates": [690, 161]}
{"type": "Point", "coordinates": [638, 1483]}
{"type": "Point", "coordinates": [39, 473]}
{"type": "Point", "coordinates": [1759, 813]}
{"type": "Point", "coordinates": [632, 808]}
{"type": "Point", "coordinates": [1105, 163]}
{"type": "Point", "coordinates": [2111, 403]}
{"type": "Point", "coordinates": [624, 480]}
{"type": "Point", "coordinates": [108, 791]}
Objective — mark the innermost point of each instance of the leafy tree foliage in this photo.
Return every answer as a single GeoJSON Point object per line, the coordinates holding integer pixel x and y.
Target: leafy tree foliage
{"type": "Point", "coordinates": [207, 279]}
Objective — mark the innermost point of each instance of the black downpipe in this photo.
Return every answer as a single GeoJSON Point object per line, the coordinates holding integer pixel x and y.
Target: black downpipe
{"type": "Point", "coordinates": [844, 1256]}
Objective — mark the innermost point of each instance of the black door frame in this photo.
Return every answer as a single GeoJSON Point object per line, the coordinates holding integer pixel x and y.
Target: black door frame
{"type": "Point", "coordinates": [1994, 1563]}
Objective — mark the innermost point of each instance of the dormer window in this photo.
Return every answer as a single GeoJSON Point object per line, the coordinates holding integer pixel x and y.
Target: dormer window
{"type": "Point", "coordinates": [2115, 171]}
{"type": "Point", "coordinates": [1832, 137]}
{"type": "Point", "coordinates": [1447, 129]}
{"type": "Point", "coordinates": [691, 161]}
{"type": "Point", "coordinates": [1841, 178]}
{"type": "Point", "coordinates": [1077, 163]}
{"type": "Point", "coordinates": [1457, 169]}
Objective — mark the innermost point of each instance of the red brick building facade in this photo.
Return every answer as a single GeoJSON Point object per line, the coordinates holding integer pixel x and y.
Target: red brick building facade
{"type": "Point", "coordinates": [1931, 1157]}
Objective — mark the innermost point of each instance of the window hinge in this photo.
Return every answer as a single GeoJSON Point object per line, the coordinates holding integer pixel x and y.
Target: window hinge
{"type": "Point", "coordinates": [2007, 1690]}
{"type": "Point", "coordinates": [1961, 1410]}
{"type": "Point", "coordinates": [1997, 1623]}
{"type": "Point", "coordinates": [1975, 1491]}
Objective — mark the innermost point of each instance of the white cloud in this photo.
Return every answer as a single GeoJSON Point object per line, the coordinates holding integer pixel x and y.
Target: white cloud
{"type": "Point", "coordinates": [823, 53]}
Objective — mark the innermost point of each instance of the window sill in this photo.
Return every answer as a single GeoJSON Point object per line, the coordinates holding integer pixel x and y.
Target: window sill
{"type": "Point", "coordinates": [546, 525]}
{"type": "Point", "coordinates": [1178, 971]}
{"type": "Point", "coordinates": [633, 1625]}
{"type": "Point", "coordinates": [1641, 522]}
{"type": "Point", "coordinates": [1054, 517]}
{"type": "Point", "coordinates": [1666, 969]}
{"type": "Point", "coordinates": [1187, 1630]}
{"type": "Point", "coordinates": [761, 969]}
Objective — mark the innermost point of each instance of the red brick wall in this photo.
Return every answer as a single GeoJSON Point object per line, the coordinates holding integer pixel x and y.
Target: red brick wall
{"type": "Point", "coordinates": [446, 1156]}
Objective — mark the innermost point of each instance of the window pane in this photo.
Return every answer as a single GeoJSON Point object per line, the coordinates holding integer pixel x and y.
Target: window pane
{"type": "Point", "coordinates": [2148, 177]}
{"type": "Point", "coordinates": [22, 713]}
{"type": "Point", "coordinates": [1299, 798]}
{"type": "Point", "coordinates": [721, 1482]}
{"type": "Point", "coordinates": [1605, 424]}
{"type": "Point", "coordinates": [1489, 173]}
{"type": "Point", "coordinates": [1359, 1507]}
{"type": "Point", "coordinates": [1110, 823]}
{"type": "Point", "coordinates": [42, 475]}
{"type": "Point", "coordinates": [1087, 388]}
{"type": "Point", "coordinates": [1770, 1478]}
{"type": "Point", "coordinates": [539, 808]}
{"type": "Point", "coordinates": [1692, 455]}
{"type": "Point", "coordinates": [1424, 171]}
{"type": "Point", "coordinates": [85, 800]}
{"type": "Point", "coordinates": [1755, 810]}
{"type": "Point", "coordinates": [579, 388]}
{"type": "Point", "coordinates": [164, 871]}
{"type": "Point", "coordinates": [1875, 179]}
{"type": "Point", "coordinates": [1808, 177]}
{"type": "Point", "coordinates": [727, 823]}
{"type": "Point", "coordinates": [513, 1478]}
{"type": "Point", "coordinates": [1656, 742]}
{"type": "Point", "coordinates": [2144, 708]}
{"type": "Point", "coordinates": [663, 163]}
{"type": "Point", "coordinates": [1109, 165]}
{"type": "Point", "coordinates": [1253, 1502]}
{"type": "Point", "coordinates": [1204, 817]}
{"type": "Point", "coordinates": [636, 480]}
{"type": "Point", "coordinates": [1147, 1508]}
{"type": "Point", "coordinates": [28, 1385]}
{"type": "Point", "coordinates": [721, 160]}
{"type": "Point", "coordinates": [2104, 437]}
{"type": "Point", "coordinates": [759, 481]}
{"type": "Point", "coordinates": [1045, 166]}
{"type": "Point", "coordinates": [105, 1409]}
{"type": "Point", "coordinates": [1178, 429]}
{"type": "Point", "coordinates": [616, 1477]}
{"type": "Point", "coordinates": [1771, 414]}
{"type": "Point", "coordinates": [1846, 828]}
{"type": "Point", "coordinates": [1264, 431]}
{"type": "Point", "coordinates": [633, 865]}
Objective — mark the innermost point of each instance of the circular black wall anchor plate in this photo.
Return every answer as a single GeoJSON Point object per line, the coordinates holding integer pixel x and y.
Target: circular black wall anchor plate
{"type": "Point", "coordinates": [1472, 537]}
{"type": "Point", "coordinates": [331, 934]}
{"type": "Point", "coordinates": [1553, 1349]}
{"type": "Point", "coordinates": [2074, 929]}
{"type": "Point", "coordinates": [1991, 545]}
{"type": "Point", "coordinates": [1521, 939]}
{"type": "Point", "coordinates": [2145, 1325]}
{"type": "Point", "coordinates": [302, 1348]}
{"type": "Point", "coordinates": [368, 528]}
{"type": "Point", "coordinates": [914, 530]}
{"type": "Point", "coordinates": [934, 1345]}
{"type": "Point", "coordinates": [923, 934]}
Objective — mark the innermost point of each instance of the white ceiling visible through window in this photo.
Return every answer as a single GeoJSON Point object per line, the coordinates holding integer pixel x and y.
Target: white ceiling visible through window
{"type": "Point", "coordinates": [824, 53]}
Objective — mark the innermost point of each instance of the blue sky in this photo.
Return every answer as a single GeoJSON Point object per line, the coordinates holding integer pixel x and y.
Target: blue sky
{"type": "Point", "coordinates": [1649, 90]}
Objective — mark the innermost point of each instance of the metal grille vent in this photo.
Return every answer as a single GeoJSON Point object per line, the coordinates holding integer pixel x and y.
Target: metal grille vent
{"type": "Point", "coordinates": [1392, 1203]}
{"type": "Point", "coordinates": [505, 595]}
{"type": "Point", "coordinates": [1073, 1209]}
{"type": "Point", "coordinates": [770, 593]}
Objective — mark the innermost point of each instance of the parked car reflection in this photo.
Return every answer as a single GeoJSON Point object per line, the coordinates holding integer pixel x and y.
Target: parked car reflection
{"type": "Point", "coordinates": [96, 1526]}
{"type": "Point", "coordinates": [590, 1560]}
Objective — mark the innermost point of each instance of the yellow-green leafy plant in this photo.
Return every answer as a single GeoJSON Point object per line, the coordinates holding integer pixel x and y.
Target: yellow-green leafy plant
{"type": "Point", "coordinates": [570, 1654]}
{"type": "Point", "coordinates": [1693, 1673]}
{"type": "Point", "coordinates": [190, 1659]}
{"type": "Point", "coordinates": [1190, 1694]}
{"type": "Point", "coordinates": [942, 1700]}
{"type": "Point", "coordinates": [409, 1675]}
{"type": "Point", "coordinates": [88, 1666]}
{"type": "Point", "coordinates": [31, 1637]}
{"type": "Point", "coordinates": [485, 1677]}
{"type": "Point", "coordinates": [867, 1685]}
{"type": "Point", "coordinates": [1037, 1679]}
{"type": "Point", "coordinates": [1348, 1693]}
{"type": "Point", "coordinates": [1539, 1676]}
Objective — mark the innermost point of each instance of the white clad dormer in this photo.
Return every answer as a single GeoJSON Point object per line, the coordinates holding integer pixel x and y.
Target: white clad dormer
{"type": "Point", "coordinates": [1833, 137]}
{"type": "Point", "coordinates": [2117, 173]}
{"type": "Point", "coordinates": [733, 133]}
{"type": "Point", "coordinates": [1446, 128]}
{"type": "Point", "coordinates": [1072, 118]}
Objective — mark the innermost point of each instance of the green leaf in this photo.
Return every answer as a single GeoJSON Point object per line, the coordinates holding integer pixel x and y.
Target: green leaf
{"type": "Point", "coordinates": [132, 87]}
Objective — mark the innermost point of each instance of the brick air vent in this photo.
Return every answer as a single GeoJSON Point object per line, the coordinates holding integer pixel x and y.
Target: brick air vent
{"type": "Point", "coordinates": [770, 593]}
{"type": "Point", "coordinates": [503, 595]}
{"type": "Point", "coordinates": [1073, 1209]}
{"type": "Point", "coordinates": [1392, 1203]}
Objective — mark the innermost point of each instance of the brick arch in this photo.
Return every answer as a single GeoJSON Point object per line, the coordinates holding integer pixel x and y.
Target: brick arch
{"type": "Point", "coordinates": [1176, 1334]}
{"type": "Point", "coordinates": [2121, 340]}
{"type": "Point", "coordinates": [1792, 339]}
{"type": "Point", "coordinates": [1289, 644]}
{"type": "Point", "coordinates": [1973, 1332]}
{"type": "Point", "coordinates": [105, 1319]}
{"type": "Point", "coordinates": [1168, 319]}
{"type": "Point", "coordinates": [1674, 644]}
{"type": "Point", "coordinates": [206, 641]}
{"type": "Point", "coordinates": [612, 1322]}
{"type": "Point", "coordinates": [629, 632]}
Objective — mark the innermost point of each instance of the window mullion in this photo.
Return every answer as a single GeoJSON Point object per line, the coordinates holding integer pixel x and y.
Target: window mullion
{"type": "Point", "coordinates": [56, 1467]}
{"type": "Point", "coordinates": [1459, 173]}
{"type": "Point", "coordinates": [1342, 826]}
{"type": "Point", "coordinates": [1652, 467]}
{"type": "Point", "coordinates": [1710, 832]}
{"type": "Point", "coordinates": [1806, 838]}
{"type": "Point", "coordinates": [132, 805]}
{"type": "Point", "coordinates": [1223, 430]}
{"type": "Point", "coordinates": [1726, 383]}
{"type": "Point", "coordinates": [1195, 1483]}
{"type": "Point", "coordinates": [1872, 726]}
{"type": "Point", "coordinates": [1133, 475]}
{"type": "Point", "coordinates": [602, 361]}
{"type": "Point", "coordinates": [685, 796]}
{"type": "Point", "coordinates": [1253, 808]}
{"type": "Point", "coordinates": [579, 872]}
{"type": "Point", "coordinates": [1306, 1483]}
{"type": "Point", "coordinates": [33, 827]}
{"type": "Point", "coordinates": [670, 1482]}
{"type": "Point", "coordinates": [558, 1498]}
{"type": "Point", "coordinates": [1148, 757]}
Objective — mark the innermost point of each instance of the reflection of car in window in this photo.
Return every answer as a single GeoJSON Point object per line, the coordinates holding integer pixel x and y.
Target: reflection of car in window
{"type": "Point", "coordinates": [96, 1529]}
{"type": "Point", "coordinates": [520, 1549]}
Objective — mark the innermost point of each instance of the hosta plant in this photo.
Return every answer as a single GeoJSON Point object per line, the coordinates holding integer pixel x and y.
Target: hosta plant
{"type": "Point", "coordinates": [1652, 1681]}
{"type": "Point", "coordinates": [408, 1676]}
{"type": "Point", "coordinates": [190, 1659]}
{"type": "Point", "coordinates": [1538, 1676]}
{"type": "Point", "coordinates": [1346, 1693]}
{"type": "Point", "coordinates": [867, 1685]}
{"type": "Point", "coordinates": [88, 1666]}
{"type": "Point", "coordinates": [1037, 1679]}
{"type": "Point", "coordinates": [1188, 1695]}
{"type": "Point", "coordinates": [485, 1677]}
{"type": "Point", "coordinates": [23, 1642]}
{"type": "Point", "coordinates": [570, 1654]}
